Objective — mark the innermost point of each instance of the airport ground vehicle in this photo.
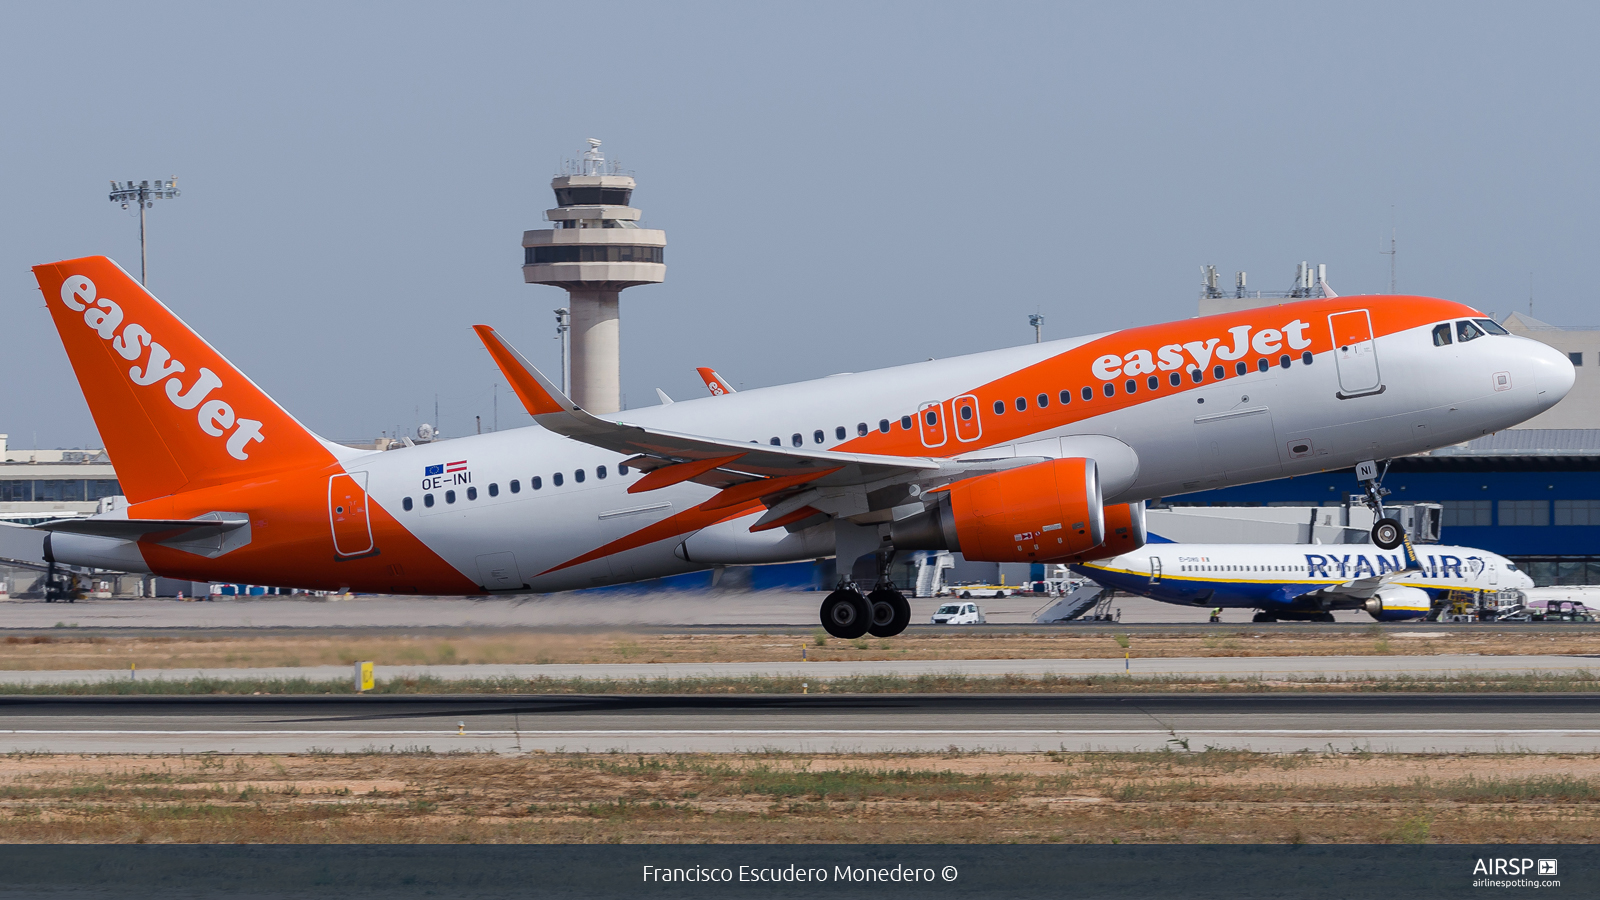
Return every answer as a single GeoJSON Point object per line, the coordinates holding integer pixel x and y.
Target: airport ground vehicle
{"type": "Point", "coordinates": [1036, 453]}
{"type": "Point", "coordinates": [963, 613]}
{"type": "Point", "coordinates": [1306, 581]}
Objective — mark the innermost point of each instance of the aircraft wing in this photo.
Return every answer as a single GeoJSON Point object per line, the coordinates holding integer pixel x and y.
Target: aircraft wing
{"type": "Point", "coordinates": [832, 482]}
{"type": "Point", "coordinates": [1364, 588]}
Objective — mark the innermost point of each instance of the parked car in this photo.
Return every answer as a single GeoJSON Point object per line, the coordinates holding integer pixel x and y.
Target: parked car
{"type": "Point", "coordinates": [958, 614]}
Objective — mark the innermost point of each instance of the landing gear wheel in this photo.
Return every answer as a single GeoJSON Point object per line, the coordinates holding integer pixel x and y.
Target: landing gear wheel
{"type": "Point", "coordinates": [1262, 617]}
{"type": "Point", "coordinates": [1388, 533]}
{"type": "Point", "coordinates": [891, 613]}
{"type": "Point", "coordinates": [846, 614]}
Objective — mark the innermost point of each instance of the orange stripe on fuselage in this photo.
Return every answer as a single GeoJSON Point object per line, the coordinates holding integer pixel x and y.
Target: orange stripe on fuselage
{"type": "Point", "coordinates": [692, 519]}
{"type": "Point", "coordinates": [291, 541]}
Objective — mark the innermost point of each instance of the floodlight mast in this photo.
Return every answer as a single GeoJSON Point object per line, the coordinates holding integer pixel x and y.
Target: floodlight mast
{"type": "Point", "coordinates": [144, 194]}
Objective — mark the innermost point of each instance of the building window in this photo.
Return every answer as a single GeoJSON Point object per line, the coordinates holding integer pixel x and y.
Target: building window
{"type": "Point", "coordinates": [472, 493]}
{"type": "Point", "coordinates": [406, 504]}
{"type": "Point", "coordinates": [1577, 512]}
{"type": "Point", "coordinates": [1524, 512]}
{"type": "Point", "coordinates": [1466, 513]}
{"type": "Point", "coordinates": [570, 253]}
{"type": "Point", "coordinates": [587, 195]}
{"type": "Point", "coordinates": [427, 500]}
{"type": "Point", "coordinates": [1577, 358]}
{"type": "Point", "coordinates": [16, 491]}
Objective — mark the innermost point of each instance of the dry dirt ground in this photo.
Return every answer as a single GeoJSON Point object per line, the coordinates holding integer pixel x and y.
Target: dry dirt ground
{"type": "Point", "coordinates": [312, 647]}
{"type": "Point", "coordinates": [785, 798]}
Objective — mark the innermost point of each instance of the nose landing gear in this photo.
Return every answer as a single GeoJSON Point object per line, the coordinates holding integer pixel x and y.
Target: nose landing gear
{"type": "Point", "coordinates": [1387, 533]}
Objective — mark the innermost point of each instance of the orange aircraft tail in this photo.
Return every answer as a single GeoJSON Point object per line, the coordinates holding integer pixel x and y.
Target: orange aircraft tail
{"type": "Point", "coordinates": [174, 414]}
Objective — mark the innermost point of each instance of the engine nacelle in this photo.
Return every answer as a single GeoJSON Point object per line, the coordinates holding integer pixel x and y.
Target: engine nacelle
{"type": "Point", "coordinates": [1392, 604]}
{"type": "Point", "coordinates": [1125, 533]}
{"type": "Point", "coordinates": [1030, 514]}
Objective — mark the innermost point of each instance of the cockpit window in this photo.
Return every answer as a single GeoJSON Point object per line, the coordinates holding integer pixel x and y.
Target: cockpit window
{"type": "Point", "coordinates": [1466, 331]}
{"type": "Point", "coordinates": [1441, 335]}
{"type": "Point", "coordinates": [1490, 326]}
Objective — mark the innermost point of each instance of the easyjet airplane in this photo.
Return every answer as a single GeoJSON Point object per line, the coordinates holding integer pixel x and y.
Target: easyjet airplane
{"type": "Point", "coordinates": [1042, 452]}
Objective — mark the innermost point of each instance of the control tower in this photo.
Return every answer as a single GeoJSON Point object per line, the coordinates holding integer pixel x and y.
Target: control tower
{"type": "Point", "coordinates": [594, 251]}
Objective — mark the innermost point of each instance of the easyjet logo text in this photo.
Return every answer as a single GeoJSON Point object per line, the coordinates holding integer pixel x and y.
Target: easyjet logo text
{"type": "Point", "coordinates": [1171, 356]}
{"type": "Point", "coordinates": [133, 342]}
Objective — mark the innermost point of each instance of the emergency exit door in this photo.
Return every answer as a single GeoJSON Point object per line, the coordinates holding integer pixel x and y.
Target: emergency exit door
{"type": "Point", "coordinates": [347, 514]}
{"type": "Point", "coordinates": [1355, 353]}
{"type": "Point", "coordinates": [1155, 569]}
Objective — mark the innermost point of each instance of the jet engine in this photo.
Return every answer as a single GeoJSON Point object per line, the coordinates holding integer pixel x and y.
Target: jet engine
{"type": "Point", "coordinates": [1125, 533]}
{"type": "Point", "coordinates": [1395, 602]}
{"type": "Point", "coordinates": [1033, 513]}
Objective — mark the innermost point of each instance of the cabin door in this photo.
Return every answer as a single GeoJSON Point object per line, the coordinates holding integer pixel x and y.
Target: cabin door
{"type": "Point", "coordinates": [1355, 354]}
{"type": "Point", "coordinates": [347, 514]}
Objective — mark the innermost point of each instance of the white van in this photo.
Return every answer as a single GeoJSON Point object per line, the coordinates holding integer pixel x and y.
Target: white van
{"type": "Point", "coordinates": [958, 614]}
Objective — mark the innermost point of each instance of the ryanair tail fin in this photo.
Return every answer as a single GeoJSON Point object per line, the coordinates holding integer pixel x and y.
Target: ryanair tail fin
{"type": "Point", "coordinates": [174, 414]}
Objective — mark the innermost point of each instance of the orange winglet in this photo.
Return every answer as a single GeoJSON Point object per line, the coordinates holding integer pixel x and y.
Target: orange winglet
{"type": "Point", "coordinates": [751, 490]}
{"type": "Point", "coordinates": [715, 383]}
{"type": "Point", "coordinates": [667, 476]}
{"type": "Point", "coordinates": [537, 395]}
{"type": "Point", "coordinates": [804, 512]}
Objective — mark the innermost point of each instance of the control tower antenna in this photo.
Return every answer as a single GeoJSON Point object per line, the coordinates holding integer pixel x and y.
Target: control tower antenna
{"type": "Point", "coordinates": [594, 252]}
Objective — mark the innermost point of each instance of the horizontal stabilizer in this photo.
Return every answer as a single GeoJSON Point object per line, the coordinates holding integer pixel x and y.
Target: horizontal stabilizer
{"type": "Point", "coordinates": [134, 529]}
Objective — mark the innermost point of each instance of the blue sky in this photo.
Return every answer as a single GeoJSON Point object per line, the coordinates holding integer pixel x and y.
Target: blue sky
{"type": "Point", "coordinates": [844, 186]}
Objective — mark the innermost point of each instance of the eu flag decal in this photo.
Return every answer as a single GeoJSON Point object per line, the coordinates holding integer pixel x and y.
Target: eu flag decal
{"type": "Point", "coordinates": [433, 470]}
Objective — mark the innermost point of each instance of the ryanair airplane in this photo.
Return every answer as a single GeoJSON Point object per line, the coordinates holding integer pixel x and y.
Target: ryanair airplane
{"type": "Point", "coordinates": [1305, 582]}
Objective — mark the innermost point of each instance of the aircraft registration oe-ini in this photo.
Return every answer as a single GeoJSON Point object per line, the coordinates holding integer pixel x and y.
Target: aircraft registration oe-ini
{"type": "Point", "coordinates": [1306, 581]}
{"type": "Point", "coordinates": [1038, 453]}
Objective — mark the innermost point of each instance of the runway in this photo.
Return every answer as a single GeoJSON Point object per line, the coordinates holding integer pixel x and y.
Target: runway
{"type": "Point", "coordinates": [1264, 667]}
{"type": "Point", "coordinates": [815, 723]}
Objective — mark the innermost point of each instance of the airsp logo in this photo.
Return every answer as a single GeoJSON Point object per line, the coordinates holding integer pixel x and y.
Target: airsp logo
{"type": "Point", "coordinates": [215, 417]}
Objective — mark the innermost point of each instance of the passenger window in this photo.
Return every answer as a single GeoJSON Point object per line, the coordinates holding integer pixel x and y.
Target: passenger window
{"type": "Point", "coordinates": [883, 426]}
{"type": "Point", "coordinates": [1175, 379]}
{"type": "Point", "coordinates": [536, 482]}
{"type": "Point", "coordinates": [1130, 386]}
{"type": "Point", "coordinates": [861, 429]}
{"type": "Point", "coordinates": [577, 476]}
{"type": "Point", "coordinates": [1218, 373]}
{"type": "Point", "coordinates": [427, 500]}
{"type": "Point", "coordinates": [494, 489]}
{"type": "Point", "coordinates": [406, 504]}
{"type": "Point", "coordinates": [1262, 365]}
{"type": "Point", "coordinates": [838, 433]}
{"type": "Point", "coordinates": [932, 415]}
{"type": "Point", "coordinates": [622, 468]}
{"type": "Point", "coordinates": [1441, 335]}
{"type": "Point", "coordinates": [796, 439]}
{"type": "Point", "coordinates": [472, 493]}
{"type": "Point", "coordinates": [556, 479]}
{"type": "Point", "coordinates": [1305, 358]}
{"type": "Point", "coordinates": [449, 496]}
{"type": "Point", "coordinates": [966, 412]}
{"type": "Point", "coordinates": [777, 442]}
{"type": "Point", "coordinates": [1022, 403]}
{"type": "Point", "coordinates": [1109, 389]}
{"type": "Point", "coordinates": [600, 472]}
{"type": "Point", "coordinates": [1197, 376]}
{"type": "Point", "coordinates": [999, 407]}
{"type": "Point", "coordinates": [1240, 367]}
{"type": "Point", "coordinates": [1152, 382]}
{"type": "Point", "coordinates": [1466, 331]}
{"type": "Point", "coordinates": [1284, 361]}
{"type": "Point", "coordinates": [817, 436]}
{"type": "Point", "coordinates": [905, 423]}
{"type": "Point", "coordinates": [1065, 397]}
{"type": "Point", "coordinates": [1490, 326]}
{"type": "Point", "coordinates": [1043, 400]}
{"type": "Point", "coordinates": [516, 486]}
{"type": "Point", "coordinates": [1088, 393]}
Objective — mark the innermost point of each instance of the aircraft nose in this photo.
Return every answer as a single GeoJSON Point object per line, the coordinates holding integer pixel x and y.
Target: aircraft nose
{"type": "Point", "coordinates": [1553, 373]}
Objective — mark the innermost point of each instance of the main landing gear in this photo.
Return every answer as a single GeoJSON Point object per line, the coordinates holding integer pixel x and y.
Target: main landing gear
{"type": "Point", "coordinates": [885, 612]}
{"type": "Point", "coordinates": [1387, 533]}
